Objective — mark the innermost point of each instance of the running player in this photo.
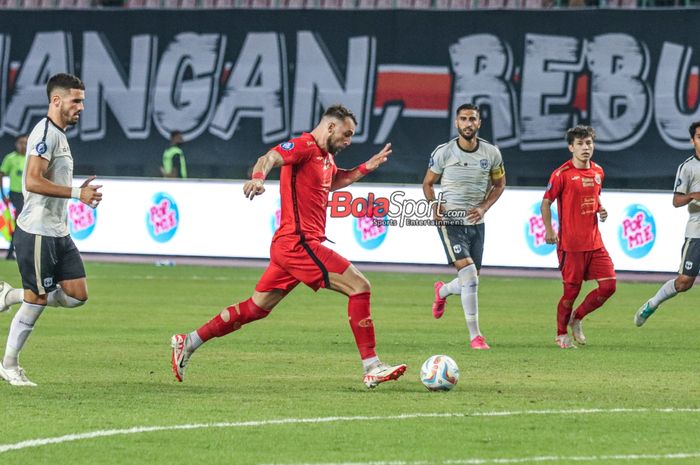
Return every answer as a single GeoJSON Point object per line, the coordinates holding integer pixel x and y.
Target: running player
{"type": "Point", "coordinates": [308, 173]}
{"type": "Point", "coordinates": [472, 177]}
{"type": "Point", "coordinates": [50, 265]}
{"type": "Point", "coordinates": [576, 186]}
{"type": "Point", "coordinates": [686, 192]}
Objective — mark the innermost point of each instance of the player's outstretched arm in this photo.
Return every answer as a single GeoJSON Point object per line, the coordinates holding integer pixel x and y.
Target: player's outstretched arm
{"type": "Point", "coordinates": [344, 178]}
{"type": "Point", "coordinates": [262, 167]}
{"type": "Point", "coordinates": [36, 182]}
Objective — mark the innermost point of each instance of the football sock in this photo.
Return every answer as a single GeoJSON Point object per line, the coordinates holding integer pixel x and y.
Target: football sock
{"type": "Point", "coordinates": [193, 341]}
{"type": "Point", "coordinates": [596, 298]}
{"type": "Point", "coordinates": [565, 305]}
{"type": "Point", "coordinates": [469, 280]}
{"type": "Point", "coordinates": [58, 298]}
{"type": "Point", "coordinates": [369, 362]}
{"type": "Point", "coordinates": [231, 319]}
{"type": "Point", "coordinates": [15, 296]}
{"type": "Point", "coordinates": [453, 287]}
{"type": "Point", "coordinates": [361, 324]}
{"type": "Point", "coordinates": [667, 291]}
{"type": "Point", "coordinates": [20, 329]}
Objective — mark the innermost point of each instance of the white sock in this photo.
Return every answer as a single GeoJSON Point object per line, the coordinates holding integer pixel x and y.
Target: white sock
{"type": "Point", "coordinates": [58, 298]}
{"type": "Point", "coordinates": [368, 363]}
{"type": "Point", "coordinates": [193, 341]}
{"type": "Point", "coordinates": [20, 329]}
{"type": "Point", "coordinates": [470, 300]}
{"type": "Point", "coordinates": [666, 291]}
{"type": "Point", "coordinates": [453, 287]}
{"type": "Point", "coordinates": [15, 296]}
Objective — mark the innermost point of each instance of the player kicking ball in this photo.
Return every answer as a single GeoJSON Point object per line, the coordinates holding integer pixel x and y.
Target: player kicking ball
{"type": "Point", "coordinates": [308, 173]}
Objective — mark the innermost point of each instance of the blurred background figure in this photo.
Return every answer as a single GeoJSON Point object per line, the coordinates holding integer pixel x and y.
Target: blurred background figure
{"type": "Point", "coordinates": [174, 165]}
{"type": "Point", "coordinates": [13, 166]}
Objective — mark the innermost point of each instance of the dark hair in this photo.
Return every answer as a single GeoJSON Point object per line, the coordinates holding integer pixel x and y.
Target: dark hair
{"type": "Point", "coordinates": [579, 132]}
{"type": "Point", "coordinates": [63, 81]}
{"type": "Point", "coordinates": [468, 106]}
{"type": "Point", "coordinates": [693, 126]}
{"type": "Point", "coordinates": [21, 136]}
{"type": "Point", "coordinates": [340, 112]}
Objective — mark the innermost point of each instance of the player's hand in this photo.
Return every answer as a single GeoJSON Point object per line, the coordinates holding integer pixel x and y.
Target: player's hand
{"type": "Point", "coordinates": [550, 237]}
{"type": "Point", "coordinates": [476, 214]}
{"type": "Point", "coordinates": [602, 213]}
{"type": "Point", "coordinates": [379, 158]}
{"type": "Point", "coordinates": [253, 187]}
{"type": "Point", "coordinates": [89, 194]}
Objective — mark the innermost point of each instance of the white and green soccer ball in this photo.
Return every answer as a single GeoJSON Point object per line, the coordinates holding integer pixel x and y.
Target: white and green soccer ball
{"type": "Point", "coordinates": [439, 373]}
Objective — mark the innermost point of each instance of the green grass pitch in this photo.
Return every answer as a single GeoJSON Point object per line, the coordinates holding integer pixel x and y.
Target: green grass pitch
{"type": "Point", "coordinates": [631, 396]}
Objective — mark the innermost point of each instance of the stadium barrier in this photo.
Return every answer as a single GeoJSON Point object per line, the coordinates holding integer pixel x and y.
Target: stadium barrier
{"type": "Point", "coordinates": [643, 232]}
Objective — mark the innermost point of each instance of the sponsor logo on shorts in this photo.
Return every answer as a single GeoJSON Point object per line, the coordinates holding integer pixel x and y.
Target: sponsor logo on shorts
{"type": "Point", "coordinates": [162, 217]}
{"type": "Point", "coordinates": [535, 230]}
{"type": "Point", "coordinates": [637, 231]}
{"type": "Point", "coordinates": [81, 219]}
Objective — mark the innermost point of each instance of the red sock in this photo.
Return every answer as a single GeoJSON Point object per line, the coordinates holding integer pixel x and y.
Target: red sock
{"type": "Point", "coordinates": [231, 319]}
{"type": "Point", "coordinates": [564, 308]}
{"type": "Point", "coordinates": [596, 298]}
{"type": "Point", "coordinates": [361, 324]}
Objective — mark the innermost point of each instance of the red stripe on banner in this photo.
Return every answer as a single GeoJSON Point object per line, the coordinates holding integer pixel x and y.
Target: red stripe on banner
{"type": "Point", "coordinates": [693, 88]}
{"type": "Point", "coordinates": [418, 91]}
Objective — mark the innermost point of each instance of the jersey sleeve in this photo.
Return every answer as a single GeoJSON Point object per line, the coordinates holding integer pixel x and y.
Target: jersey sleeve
{"type": "Point", "coordinates": [498, 170]}
{"type": "Point", "coordinates": [437, 160]}
{"type": "Point", "coordinates": [5, 167]}
{"type": "Point", "coordinates": [683, 179]}
{"type": "Point", "coordinates": [294, 151]}
{"type": "Point", "coordinates": [43, 145]}
{"type": "Point", "coordinates": [554, 186]}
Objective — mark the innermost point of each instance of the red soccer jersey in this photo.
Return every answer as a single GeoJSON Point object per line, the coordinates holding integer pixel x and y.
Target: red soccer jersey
{"type": "Point", "coordinates": [305, 181]}
{"type": "Point", "coordinates": [577, 194]}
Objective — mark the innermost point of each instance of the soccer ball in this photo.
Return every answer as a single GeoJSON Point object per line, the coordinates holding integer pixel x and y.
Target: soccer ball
{"type": "Point", "coordinates": [439, 373]}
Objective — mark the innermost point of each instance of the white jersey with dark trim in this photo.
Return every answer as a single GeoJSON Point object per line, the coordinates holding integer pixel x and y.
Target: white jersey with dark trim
{"type": "Point", "coordinates": [687, 181]}
{"type": "Point", "coordinates": [466, 176]}
{"type": "Point", "coordinates": [44, 215]}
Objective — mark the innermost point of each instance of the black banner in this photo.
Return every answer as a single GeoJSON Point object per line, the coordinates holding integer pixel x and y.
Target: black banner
{"type": "Point", "coordinates": [237, 82]}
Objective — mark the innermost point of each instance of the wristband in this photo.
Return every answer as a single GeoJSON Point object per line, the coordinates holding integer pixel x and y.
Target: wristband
{"type": "Point", "coordinates": [75, 193]}
{"type": "Point", "coordinates": [363, 169]}
{"type": "Point", "coordinates": [258, 175]}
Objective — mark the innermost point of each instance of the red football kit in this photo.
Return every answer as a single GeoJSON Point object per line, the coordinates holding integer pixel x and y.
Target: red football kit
{"type": "Point", "coordinates": [296, 253]}
{"type": "Point", "coordinates": [582, 255]}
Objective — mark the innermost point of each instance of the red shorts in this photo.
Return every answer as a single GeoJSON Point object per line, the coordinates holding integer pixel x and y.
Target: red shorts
{"type": "Point", "coordinates": [292, 262]}
{"type": "Point", "coordinates": [577, 267]}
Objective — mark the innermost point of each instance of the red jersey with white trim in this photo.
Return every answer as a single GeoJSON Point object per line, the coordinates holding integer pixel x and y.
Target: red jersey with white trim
{"type": "Point", "coordinates": [577, 193]}
{"type": "Point", "coordinates": [305, 181]}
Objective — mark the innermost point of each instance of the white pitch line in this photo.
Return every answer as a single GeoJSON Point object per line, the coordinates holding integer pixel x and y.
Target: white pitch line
{"type": "Point", "coordinates": [542, 459]}
{"type": "Point", "coordinates": [295, 421]}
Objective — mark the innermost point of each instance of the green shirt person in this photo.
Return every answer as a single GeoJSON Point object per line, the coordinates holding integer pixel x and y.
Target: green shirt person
{"type": "Point", "coordinates": [13, 166]}
{"type": "Point", "coordinates": [174, 165]}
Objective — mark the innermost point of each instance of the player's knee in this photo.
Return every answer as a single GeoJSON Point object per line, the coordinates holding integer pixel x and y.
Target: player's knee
{"type": "Point", "coordinates": [571, 291]}
{"type": "Point", "coordinates": [683, 283]}
{"type": "Point", "coordinates": [72, 302]}
{"type": "Point", "coordinates": [468, 276]}
{"type": "Point", "coordinates": [360, 285]}
{"type": "Point", "coordinates": [607, 288]}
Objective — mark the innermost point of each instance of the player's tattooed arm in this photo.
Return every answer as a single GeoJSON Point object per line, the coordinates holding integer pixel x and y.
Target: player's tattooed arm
{"type": "Point", "coordinates": [344, 178]}
{"type": "Point", "coordinates": [272, 159]}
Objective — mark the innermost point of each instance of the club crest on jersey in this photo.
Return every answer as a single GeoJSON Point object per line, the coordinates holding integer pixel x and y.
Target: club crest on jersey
{"type": "Point", "coordinates": [484, 163]}
{"type": "Point", "coordinates": [287, 145]}
{"type": "Point", "coordinates": [41, 148]}
{"type": "Point", "coordinates": [597, 179]}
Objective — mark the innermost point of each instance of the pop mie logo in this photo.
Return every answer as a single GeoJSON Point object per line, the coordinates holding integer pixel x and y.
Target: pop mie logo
{"type": "Point", "coordinates": [637, 231]}
{"type": "Point", "coordinates": [162, 218]}
{"type": "Point", "coordinates": [369, 233]}
{"type": "Point", "coordinates": [81, 219]}
{"type": "Point", "coordinates": [535, 231]}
